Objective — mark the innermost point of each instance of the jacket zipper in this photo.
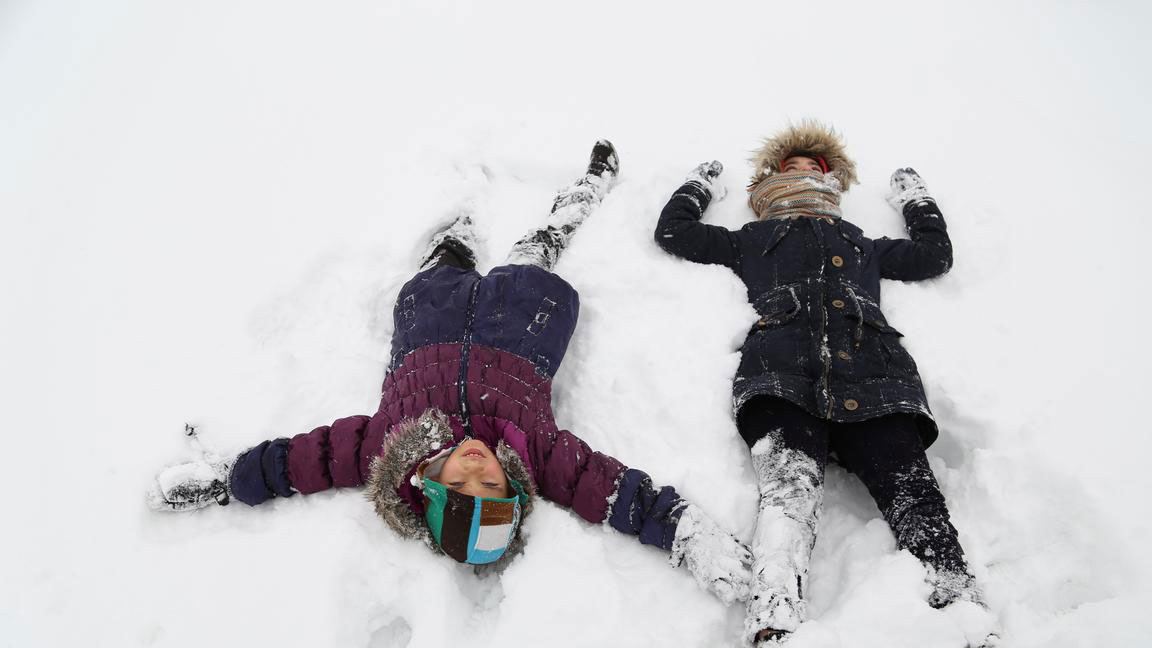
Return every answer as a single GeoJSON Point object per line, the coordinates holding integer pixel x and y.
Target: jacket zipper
{"type": "Point", "coordinates": [465, 347]}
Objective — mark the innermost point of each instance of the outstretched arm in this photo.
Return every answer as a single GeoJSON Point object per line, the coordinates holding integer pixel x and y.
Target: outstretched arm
{"type": "Point", "coordinates": [326, 457]}
{"type": "Point", "coordinates": [679, 230]}
{"type": "Point", "coordinates": [928, 251]}
{"type": "Point", "coordinates": [599, 488]}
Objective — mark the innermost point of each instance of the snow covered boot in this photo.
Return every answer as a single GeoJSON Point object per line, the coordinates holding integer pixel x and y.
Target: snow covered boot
{"type": "Point", "coordinates": [951, 586]}
{"type": "Point", "coordinates": [572, 206]}
{"type": "Point", "coordinates": [604, 159]}
{"type": "Point", "coordinates": [918, 515]}
{"type": "Point", "coordinates": [454, 245]}
{"type": "Point", "coordinates": [791, 490]}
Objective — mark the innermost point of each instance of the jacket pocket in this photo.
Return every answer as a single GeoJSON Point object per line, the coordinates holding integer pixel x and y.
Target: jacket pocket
{"type": "Point", "coordinates": [777, 306]}
{"type": "Point", "coordinates": [896, 360]}
{"type": "Point", "coordinates": [779, 342]}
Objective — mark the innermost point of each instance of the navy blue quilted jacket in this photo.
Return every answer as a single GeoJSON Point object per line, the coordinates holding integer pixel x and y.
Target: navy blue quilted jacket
{"type": "Point", "coordinates": [822, 341]}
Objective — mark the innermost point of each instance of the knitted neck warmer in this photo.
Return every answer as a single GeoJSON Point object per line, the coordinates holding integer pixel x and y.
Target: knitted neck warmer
{"type": "Point", "coordinates": [795, 194]}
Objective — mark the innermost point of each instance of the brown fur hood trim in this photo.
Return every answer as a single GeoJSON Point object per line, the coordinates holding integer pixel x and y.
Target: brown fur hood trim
{"type": "Point", "coordinates": [410, 442]}
{"type": "Point", "coordinates": [808, 136]}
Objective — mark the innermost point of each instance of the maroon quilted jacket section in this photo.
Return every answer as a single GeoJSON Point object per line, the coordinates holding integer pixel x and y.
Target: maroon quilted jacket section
{"type": "Point", "coordinates": [507, 400]}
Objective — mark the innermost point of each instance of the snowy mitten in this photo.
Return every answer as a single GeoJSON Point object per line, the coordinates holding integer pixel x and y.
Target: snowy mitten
{"type": "Point", "coordinates": [705, 176]}
{"type": "Point", "coordinates": [190, 486]}
{"type": "Point", "coordinates": [719, 561]}
{"type": "Point", "coordinates": [907, 187]}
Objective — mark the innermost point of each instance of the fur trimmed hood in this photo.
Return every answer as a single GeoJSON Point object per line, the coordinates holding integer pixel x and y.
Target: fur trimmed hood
{"type": "Point", "coordinates": [809, 136]}
{"type": "Point", "coordinates": [411, 442]}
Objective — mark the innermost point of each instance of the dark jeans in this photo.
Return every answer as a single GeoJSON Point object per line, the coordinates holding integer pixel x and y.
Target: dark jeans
{"type": "Point", "coordinates": [887, 455]}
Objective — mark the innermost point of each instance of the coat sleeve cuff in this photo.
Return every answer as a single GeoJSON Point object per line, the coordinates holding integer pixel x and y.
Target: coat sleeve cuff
{"type": "Point", "coordinates": [695, 192]}
{"type": "Point", "coordinates": [260, 473]}
{"type": "Point", "coordinates": [644, 511]}
{"type": "Point", "coordinates": [921, 207]}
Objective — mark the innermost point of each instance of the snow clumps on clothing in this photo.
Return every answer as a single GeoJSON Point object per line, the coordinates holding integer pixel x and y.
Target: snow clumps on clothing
{"type": "Point", "coordinates": [791, 492]}
{"type": "Point", "coordinates": [717, 560]}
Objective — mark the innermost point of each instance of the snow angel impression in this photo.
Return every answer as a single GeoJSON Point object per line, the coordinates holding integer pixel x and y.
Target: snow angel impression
{"type": "Point", "coordinates": [464, 436]}
{"type": "Point", "coordinates": [821, 370]}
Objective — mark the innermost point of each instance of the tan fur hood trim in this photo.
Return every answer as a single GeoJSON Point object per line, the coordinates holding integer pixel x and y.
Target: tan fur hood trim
{"type": "Point", "coordinates": [406, 445]}
{"type": "Point", "coordinates": [808, 136]}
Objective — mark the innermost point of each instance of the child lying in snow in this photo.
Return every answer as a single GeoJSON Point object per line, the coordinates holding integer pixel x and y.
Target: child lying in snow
{"type": "Point", "coordinates": [821, 370]}
{"type": "Point", "coordinates": [464, 436]}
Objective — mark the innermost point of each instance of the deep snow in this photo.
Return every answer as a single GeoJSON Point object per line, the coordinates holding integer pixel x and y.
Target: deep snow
{"type": "Point", "coordinates": [207, 208]}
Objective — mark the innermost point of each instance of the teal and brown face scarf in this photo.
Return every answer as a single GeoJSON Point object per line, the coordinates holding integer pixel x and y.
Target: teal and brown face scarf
{"type": "Point", "coordinates": [475, 530]}
{"type": "Point", "coordinates": [795, 194]}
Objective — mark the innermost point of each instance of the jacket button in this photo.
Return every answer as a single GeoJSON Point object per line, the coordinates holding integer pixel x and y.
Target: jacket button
{"type": "Point", "coordinates": [837, 261]}
{"type": "Point", "coordinates": [851, 405]}
{"type": "Point", "coordinates": [844, 355]}
{"type": "Point", "coordinates": [838, 303]}
{"type": "Point", "coordinates": [761, 322]}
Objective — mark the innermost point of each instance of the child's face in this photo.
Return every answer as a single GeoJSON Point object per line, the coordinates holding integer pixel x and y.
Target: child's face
{"type": "Point", "coordinates": [800, 163]}
{"type": "Point", "coordinates": [472, 469]}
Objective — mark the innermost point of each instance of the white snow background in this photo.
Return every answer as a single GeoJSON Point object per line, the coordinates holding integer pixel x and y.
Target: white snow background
{"type": "Point", "coordinates": [207, 208]}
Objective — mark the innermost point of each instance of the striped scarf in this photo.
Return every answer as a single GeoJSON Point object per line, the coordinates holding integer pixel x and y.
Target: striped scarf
{"type": "Point", "coordinates": [795, 194]}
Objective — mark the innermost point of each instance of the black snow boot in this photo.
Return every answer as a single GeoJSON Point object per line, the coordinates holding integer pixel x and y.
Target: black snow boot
{"type": "Point", "coordinates": [454, 245]}
{"type": "Point", "coordinates": [604, 159]}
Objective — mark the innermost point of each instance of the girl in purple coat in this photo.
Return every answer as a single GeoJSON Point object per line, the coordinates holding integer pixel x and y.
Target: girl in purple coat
{"type": "Point", "coordinates": [464, 437]}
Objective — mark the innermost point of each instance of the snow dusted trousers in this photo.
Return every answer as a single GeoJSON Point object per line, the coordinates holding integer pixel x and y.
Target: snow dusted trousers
{"type": "Point", "coordinates": [455, 245]}
{"type": "Point", "coordinates": [572, 206]}
{"type": "Point", "coordinates": [790, 450]}
{"type": "Point", "coordinates": [791, 487]}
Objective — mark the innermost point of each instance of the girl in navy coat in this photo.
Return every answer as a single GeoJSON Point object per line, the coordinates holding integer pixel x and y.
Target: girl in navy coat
{"type": "Point", "coordinates": [821, 369]}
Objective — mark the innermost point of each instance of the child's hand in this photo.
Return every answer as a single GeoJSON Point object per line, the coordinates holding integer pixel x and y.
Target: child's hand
{"type": "Point", "coordinates": [705, 176]}
{"type": "Point", "coordinates": [190, 486]}
{"type": "Point", "coordinates": [907, 187]}
{"type": "Point", "coordinates": [720, 562]}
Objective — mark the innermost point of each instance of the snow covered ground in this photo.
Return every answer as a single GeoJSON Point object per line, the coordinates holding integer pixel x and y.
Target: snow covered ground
{"type": "Point", "coordinates": [207, 208]}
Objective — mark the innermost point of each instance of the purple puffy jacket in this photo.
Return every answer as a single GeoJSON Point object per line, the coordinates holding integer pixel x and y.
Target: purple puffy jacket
{"type": "Point", "coordinates": [481, 350]}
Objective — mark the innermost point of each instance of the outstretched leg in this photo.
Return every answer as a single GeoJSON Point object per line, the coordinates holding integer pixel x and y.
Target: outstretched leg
{"type": "Point", "coordinates": [887, 455]}
{"type": "Point", "coordinates": [572, 206]}
{"type": "Point", "coordinates": [789, 453]}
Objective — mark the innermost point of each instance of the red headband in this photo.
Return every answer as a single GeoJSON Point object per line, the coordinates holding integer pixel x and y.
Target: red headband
{"type": "Point", "coordinates": [820, 159]}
